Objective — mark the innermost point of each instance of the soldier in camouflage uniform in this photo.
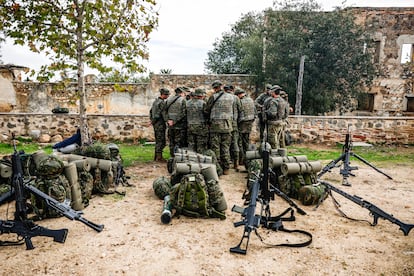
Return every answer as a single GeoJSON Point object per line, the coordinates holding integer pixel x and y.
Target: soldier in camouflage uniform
{"type": "Point", "coordinates": [234, 146]}
{"type": "Point", "coordinates": [245, 122]}
{"type": "Point", "coordinates": [220, 109]}
{"type": "Point", "coordinates": [176, 115]}
{"type": "Point", "coordinates": [285, 110]}
{"type": "Point", "coordinates": [158, 122]}
{"type": "Point", "coordinates": [197, 130]}
{"type": "Point", "coordinates": [273, 111]}
{"type": "Point", "coordinates": [259, 107]}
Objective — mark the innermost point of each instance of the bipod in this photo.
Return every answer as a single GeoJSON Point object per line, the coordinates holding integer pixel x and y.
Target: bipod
{"type": "Point", "coordinates": [345, 157]}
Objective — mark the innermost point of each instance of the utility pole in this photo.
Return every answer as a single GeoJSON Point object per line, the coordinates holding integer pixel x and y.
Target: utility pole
{"type": "Point", "coordinates": [298, 104]}
{"type": "Point", "coordinates": [266, 22]}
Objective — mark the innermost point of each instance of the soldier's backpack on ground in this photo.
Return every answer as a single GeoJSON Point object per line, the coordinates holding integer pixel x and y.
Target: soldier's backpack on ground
{"type": "Point", "coordinates": [52, 182]}
{"type": "Point", "coordinates": [190, 198]}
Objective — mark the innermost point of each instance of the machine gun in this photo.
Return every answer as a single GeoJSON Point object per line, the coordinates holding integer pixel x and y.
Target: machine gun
{"type": "Point", "coordinates": [345, 158]}
{"type": "Point", "coordinates": [262, 192]}
{"type": "Point", "coordinates": [24, 228]}
{"type": "Point", "coordinates": [374, 210]}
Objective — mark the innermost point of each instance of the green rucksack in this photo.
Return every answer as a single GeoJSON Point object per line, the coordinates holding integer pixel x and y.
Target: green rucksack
{"type": "Point", "coordinates": [190, 197]}
{"type": "Point", "coordinates": [291, 184]}
{"type": "Point", "coordinates": [50, 166]}
{"type": "Point", "coordinates": [57, 187]}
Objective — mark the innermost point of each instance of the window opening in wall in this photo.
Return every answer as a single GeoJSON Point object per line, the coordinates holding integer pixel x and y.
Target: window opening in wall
{"type": "Point", "coordinates": [406, 53]}
{"type": "Point", "coordinates": [410, 104]}
{"type": "Point", "coordinates": [366, 102]}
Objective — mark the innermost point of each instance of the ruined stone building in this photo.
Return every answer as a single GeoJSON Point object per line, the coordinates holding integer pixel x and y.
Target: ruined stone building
{"type": "Point", "coordinates": [392, 30]}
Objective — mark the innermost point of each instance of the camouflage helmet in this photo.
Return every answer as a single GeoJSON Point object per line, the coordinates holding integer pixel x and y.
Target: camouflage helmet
{"type": "Point", "coordinates": [161, 186]}
{"type": "Point", "coordinates": [216, 83]}
{"type": "Point", "coordinates": [49, 166]}
{"type": "Point", "coordinates": [199, 92]}
{"type": "Point", "coordinates": [268, 86]}
{"type": "Point", "coordinates": [164, 91]}
{"type": "Point", "coordinates": [239, 91]}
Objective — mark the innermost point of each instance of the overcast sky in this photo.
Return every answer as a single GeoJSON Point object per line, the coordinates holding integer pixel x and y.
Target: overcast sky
{"type": "Point", "coordinates": [187, 30]}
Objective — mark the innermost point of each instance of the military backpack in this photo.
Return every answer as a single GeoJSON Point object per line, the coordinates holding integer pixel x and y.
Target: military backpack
{"type": "Point", "coordinates": [190, 197]}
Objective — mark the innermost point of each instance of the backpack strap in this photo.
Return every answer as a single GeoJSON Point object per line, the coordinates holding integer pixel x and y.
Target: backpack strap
{"type": "Point", "coordinates": [173, 101]}
{"type": "Point", "coordinates": [275, 224]}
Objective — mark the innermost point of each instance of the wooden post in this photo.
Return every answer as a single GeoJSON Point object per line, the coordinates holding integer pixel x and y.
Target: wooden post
{"type": "Point", "coordinates": [298, 104]}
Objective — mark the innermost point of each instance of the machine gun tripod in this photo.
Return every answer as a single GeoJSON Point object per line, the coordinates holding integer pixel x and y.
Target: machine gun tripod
{"type": "Point", "coordinates": [345, 158]}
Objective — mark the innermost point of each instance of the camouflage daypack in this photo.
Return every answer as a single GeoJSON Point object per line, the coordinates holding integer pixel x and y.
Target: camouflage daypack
{"type": "Point", "coordinates": [57, 187]}
{"type": "Point", "coordinates": [190, 198]}
{"type": "Point", "coordinates": [96, 150]}
{"type": "Point", "coordinates": [291, 184]}
{"type": "Point", "coordinates": [52, 182]}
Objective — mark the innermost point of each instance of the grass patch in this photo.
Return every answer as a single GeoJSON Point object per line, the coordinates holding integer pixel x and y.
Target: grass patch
{"type": "Point", "coordinates": [144, 153]}
{"type": "Point", "coordinates": [376, 154]}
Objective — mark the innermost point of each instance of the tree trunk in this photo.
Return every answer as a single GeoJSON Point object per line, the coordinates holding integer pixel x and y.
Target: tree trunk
{"type": "Point", "coordinates": [83, 121]}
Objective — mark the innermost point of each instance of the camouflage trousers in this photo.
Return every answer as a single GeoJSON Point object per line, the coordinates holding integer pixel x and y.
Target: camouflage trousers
{"type": "Point", "coordinates": [274, 134]}
{"type": "Point", "coordinates": [197, 139]}
{"type": "Point", "coordinates": [283, 135]}
{"type": "Point", "coordinates": [234, 146]}
{"type": "Point", "coordinates": [220, 144]}
{"type": "Point", "coordinates": [160, 140]}
{"type": "Point", "coordinates": [244, 141]}
{"type": "Point", "coordinates": [177, 137]}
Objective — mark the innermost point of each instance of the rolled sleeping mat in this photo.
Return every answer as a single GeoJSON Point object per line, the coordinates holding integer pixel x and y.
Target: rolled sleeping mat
{"type": "Point", "coordinates": [189, 167]}
{"type": "Point", "coordinates": [184, 151]}
{"type": "Point", "coordinates": [255, 154]}
{"type": "Point", "coordinates": [82, 164]}
{"type": "Point", "coordinates": [5, 171]}
{"type": "Point", "coordinates": [71, 174]}
{"type": "Point", "coordinates": [102, 164]}
{"type": "Point", "coordinates": [210, 172]}
{"type": "Point", "coordinates": [301, 167]}
{"type": "Point", "coordinates": [39, 156]}
{"type": "Point", "coordinates": [277, 161]}
{"type": "Point", "coordinates": [282, 152]}
{"type": "Point", "coordinates": [179, 157]}
{"type": "Point", "coordinates": [110, 175]}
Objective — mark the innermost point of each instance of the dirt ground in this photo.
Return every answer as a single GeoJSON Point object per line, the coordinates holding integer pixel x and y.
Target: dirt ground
{"type": "Point", "coordinates": [135, 242]}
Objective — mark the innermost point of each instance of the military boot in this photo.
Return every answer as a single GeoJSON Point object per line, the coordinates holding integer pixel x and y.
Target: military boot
{"type": "Point", "coordinates": [236, 165]}
{"type": "Point", "coordinates": [158, 158]}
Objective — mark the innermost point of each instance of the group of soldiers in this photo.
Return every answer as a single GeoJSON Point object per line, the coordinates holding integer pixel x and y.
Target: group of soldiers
{"type": "Point", "coordinates": [222, 122]}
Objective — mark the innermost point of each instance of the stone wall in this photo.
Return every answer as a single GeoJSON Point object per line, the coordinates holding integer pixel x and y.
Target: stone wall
{"type": "Point", "coordinates": [103, 98]}
{"type": "Point", "coordinates": [136, 128]}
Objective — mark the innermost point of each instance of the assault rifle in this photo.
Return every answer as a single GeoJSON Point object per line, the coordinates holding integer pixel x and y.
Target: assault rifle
{"type": "Point", "coordinates": [64, 208]}
{"type": "Point", "coordinates": [261, 191]}
{"type": "Point", "coordinates": [24, 228]}
{"type": "Point", "coordinates": [374, 210]}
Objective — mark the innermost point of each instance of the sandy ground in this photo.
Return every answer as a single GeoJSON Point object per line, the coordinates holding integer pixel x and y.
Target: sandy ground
{"type": "Point", "coordinates": [135, 242]}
